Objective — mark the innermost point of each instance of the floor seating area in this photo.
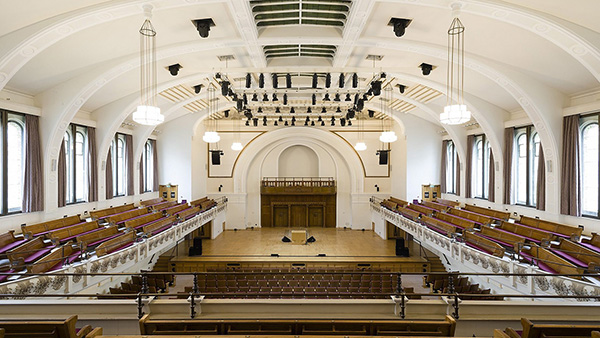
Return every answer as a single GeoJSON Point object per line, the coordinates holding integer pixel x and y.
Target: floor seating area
{"type": "Point", "coordinates": [298, 327]}
{"type": "Point", "coordinates": [53, 244]}
{"type": "Point", "coordinates": [47, 328]}
{"type": "Point", "coordinates": [531, 330]}
{"type": "Point", "coordinates": [156, 284]}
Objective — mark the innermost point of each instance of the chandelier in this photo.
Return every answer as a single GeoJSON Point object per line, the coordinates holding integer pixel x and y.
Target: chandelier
{"type": "Point", "coordinates": [387, 134]}
{"type": "Point", "coordinates": [455, 111]}
{"type": "Point", "coordinates": [211, 135]}
{"type": "Point", "coordinates": [148, 113]}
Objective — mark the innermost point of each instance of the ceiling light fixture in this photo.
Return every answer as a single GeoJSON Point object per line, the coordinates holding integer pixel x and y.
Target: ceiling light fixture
{"type": "Point", "coordinates": [261, 80]}
{"type": "Point", "coordinates": [248, 80]}
{"type": "Point", "coordinates": [288, 80]}
{"type": "Point", "coordinates": [399, 25]}
{"type": "Point", "coordinates": [426, 68]}
{"type": "Point", "coordinates": [203, 26]}
{"type": "Point", "coordinates": [198, 88]}
{"type": "Point", "coordinates": [342, 81]}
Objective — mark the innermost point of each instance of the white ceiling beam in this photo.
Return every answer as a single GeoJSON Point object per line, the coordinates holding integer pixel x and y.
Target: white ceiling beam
{"type": "Point", "coordinates": [359, 12]}
{"type": "Point", "coordinates": [244, 20]}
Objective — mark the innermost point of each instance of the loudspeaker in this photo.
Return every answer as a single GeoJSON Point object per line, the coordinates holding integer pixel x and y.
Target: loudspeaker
{"type": "Point", "coordinates": [216, 157]}
{"type": "Point", "coordinates": [383, 156]}
{"type": "Point", "coordinates": [196, 250]}
{"type": "Point", "coordinates": [286, 239]}
{"type": "Point", "coordinates": [401, 250]}
{"type": "Point", "coordinates": [310, 239]}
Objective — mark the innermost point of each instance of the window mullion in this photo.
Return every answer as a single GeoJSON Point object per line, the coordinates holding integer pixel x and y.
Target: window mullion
{"type": "Point", "coordinates": [4, 206]}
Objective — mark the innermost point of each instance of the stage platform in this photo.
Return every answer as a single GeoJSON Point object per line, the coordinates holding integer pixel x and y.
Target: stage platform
{"type": "Point", "coordinates": [263, 248]}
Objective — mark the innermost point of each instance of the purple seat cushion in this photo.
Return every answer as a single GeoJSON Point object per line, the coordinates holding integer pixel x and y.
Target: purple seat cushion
{"type": "Point", "coordinates": [591, 247]}
{"type": "Point", "coordinates": [12, 245]}
{"type": "Point", "coordinates": [39, 254]}
{"type": "Point", "coordinates": [83, 233]}
{"type": "Point", "coordinates": [546, 267]}
{"type": "Point", "coordinates": [105, 239]}
{"type": "Point", "coordinates": [570, 258]}
{"type": "Point", "coordinates": [161, 229]}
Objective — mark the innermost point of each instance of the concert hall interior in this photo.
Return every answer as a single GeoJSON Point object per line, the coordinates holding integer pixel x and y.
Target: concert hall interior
{"type": "Point", "coordinates": [281, 168]}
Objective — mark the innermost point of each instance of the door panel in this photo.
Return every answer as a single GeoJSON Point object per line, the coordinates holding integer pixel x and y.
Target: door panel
{"type": "Point", "coordinates": [298, 216]}
{"type": "Point", "coordinates": [315, 216]}
{"type": "Point", "coordinates": [280, 216]}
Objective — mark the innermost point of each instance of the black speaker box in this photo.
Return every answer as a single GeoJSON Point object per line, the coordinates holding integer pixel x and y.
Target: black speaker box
{"type": "Point", "coordinates": [215, 157]}
{"type": "Point", "coordinates": [286, 239]}
{"type": "Point", "coordinates": [198, 242]}
{"type": "Point", "coordinates": [401, 250]}
{"type": "Point", "coordinates": [193, 251]}
{"type": "Point", "coordinates": [383, 157]}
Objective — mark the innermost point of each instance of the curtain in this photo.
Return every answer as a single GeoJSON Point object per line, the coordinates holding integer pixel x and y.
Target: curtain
{"type": "Point", "coordinates": [155, 164]}
{"type": "Point", "coordinates": [33, 192]}
{"type": "Point", "coordinates": [468, 165]}
{"type": "Point", "coordinates": [570, 190]}
{"type": "Point", "coordinates": [509, 138]}
{"type": "Point", "coordinates": [540, 203]}
{"type": "Point", "coordinates": [129, 163]}
{"type": "Point", "coordinates": [443, 187]}
{"type": "Point", "coordinates": [92, 162]}
{"type": "Point", "coordinates": [62, 175]}
{"type": "Point", "coordinates": [141, 180]}
{"type": "Point", "coordinates": [109, 176]}
{"type": "Point", "coordinates": [491, 179]}
{"type": "Point", "coordinates": [457, 190]}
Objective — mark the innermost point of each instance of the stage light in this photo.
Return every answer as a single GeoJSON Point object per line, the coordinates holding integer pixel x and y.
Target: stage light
{"type": "Point", "coordinates": [337, 97]}
{"type": "Point", "coordinates": [293, 118]}
{"type": "Point", "coordinates": [280, 119]}
{"type": "Point", "coordinates": [288, 80]}
{"type": "Point", "coordinates": [338, 110]}
{"type": "Point", "coordinates": [275, 97]}
{"type": "Point", "coordinates": [343, 122]}
{"type": "Point", "coordinates": [371, 113]}
{"type": "Point", "coordinates": [226, 112]}
{"type": "Point", "coordinates": [265, 97]}
{"type": "Point", "coordinates": [401, 88]}
{"type": "Point", "coordinates": [265, 121]}
{"type": "Point", "coordinates": [245, 99]}
{"type": "Point", "coordinates": [324, 110]}
{"type": "Point", "coordinates": [307, 119]}
{"type": "Point", "coordinates": [203, 26]}
{"type": "Point", "coordinates": [277, 110]}
{"type": "Point", "coordinates": [261, 80]}
{"type": "Point", "coordinates": [247, 123]}
{"type": "Point", "coordinates": [328, 80]}
{"type": "Point", "coordinates": [285, 100]}
{"type": "Point", "coordinates": [239, 107]}
{"type": "Point", "coordinates": [260, 110]}
{"type": "Point", "coordinates": [315, 80]}
{"type": "Point", "coordinates": [360, 104]}
{"type": "Point", "coordinates": [314, 99]}
{"type": "Point", "coordinates": [254, 97]}
{"type": "Point", "coordinates": [332, 121]}
{"type": "Point", "coordinates": [174, 69]}
{"type": "Point", "coordinates": [292, 110]}
{"type": "Point", "coordinates": [198, 88]}
{"type": "Point", "coordinates": [286, 123]}
{"type": "Point", "coordinates": [274, 80]}
{"type": "Point", "coordinates": [426, 68]}
{"type": "Point", "coordinates": [310, 239]}
{"type": "Point", "coordinates": [342, 81]}
{"type": "Point", "coordinates": [312, 123]}
{"type": "Point", "coordinates": [320, 119]}
{"type": "Point", "coordinates": [348, 98]}
{"type": "Point", "coordinates": [399, 25]}
{"type": "Point", "coordinates": [326, 98]}
{"type": "Point", "coordinates": [354, 80]}
{"type": "Point", "coordinates": [309, 110]}
{"type": "Point", "coordinates": [306, 123]}
{"type": "Point", "coordinates": [248, 80]}
{"type": "Point", "coordinates": [322, 123]}
{"type": "Point", "coordinates": [349, 123]}
{"type": "Point", "coordinates": [376, 86]}
{"type": "Point", "coordinates": [275, 123]}
{"type": "Point", "coordinates": [255, 121]}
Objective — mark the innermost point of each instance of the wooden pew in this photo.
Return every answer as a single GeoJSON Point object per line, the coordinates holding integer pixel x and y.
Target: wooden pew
{"type": "Point", "coordinates": [94, 237]}
{"type": "Point", "coordinates": [185, 214]}
{"type": "Point", "coordinates": [199, 201]}
{"type": "Point", "coordinates": [163, 205]}
{"type": "Point", "coordinates": [483, 244]}
{"type": "Point", "coordinates": [120, 218]}
{"type": "Point", "coordinates": [574, 233]}
{"type": "Point", "coordinates": [501, 215]}
{"type": "Point", "coordinates": [579, 252]}
{"type": "Point", "coordinates": [409, 213]}
{"type": "Point", "coordinates": [389, 205]}
{"type": "Point", "coordinates": [150, 229]}
{"type": "Point", "coordinates": [465, 223]}
{"type": "Point", "coordinates": [45, 328]}
{"type": "Point", "coordinates": [29, 231]}
{"type": "Point", "coordinates": [425, 211]}
{"type": "Point", "coordinates": [531, 330]}
{"type": "Point", "coordinates": [595, 240]}
{"type": "Point", "coordinates": [446, 228]}
{"type": "Point", "coordinates": [28, 252]}
{"type": "Point", "coordinates": [436, 206]}
{"type": "Point", "coordinates": [136, 222]}
{"type": "Point", "coordinates": [8, 241]}
{"type": "Point", "coordinates": [152, 201]}
{"type": "Point", "coordinates": [482, 219]}
{"type": "Point", "coordinates": [175, 209]}
{"type": "Point", "coordinates": [540, 236]}
{"type": "Point", "coordinates": [51, 260]}
{"type": "Point", "coordinates": [452, 204]}
{"type": "Point", "coordinates": [68, 233]}
{"type": "Point", "coordinates": [398, 201]}
{"type": "Point", "coordinates": [550, 262]}
{"type": "Point", "coordinates": [116, 243]}
{"type": "Point", "coordinates": [101, 214]}
{"type": "Point", "coordinates": [515, 241]}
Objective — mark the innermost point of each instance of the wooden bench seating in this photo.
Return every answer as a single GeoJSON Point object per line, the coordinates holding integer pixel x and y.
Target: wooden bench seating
{"type": "Point", "coordinates": [96, 237]}
{"type": "Point", "coordinates": [481, 219]}
{"type": "Point", "coordinates": [314, 327]}
{"type": "Point", "coordinates": [509, 239]}
{"type": "Point", "coordinates": [8, 241]}
{"type": "Point", "coordinates": [389, 205]}
{"type": "Point", "coordinates": [561, 230]}
{"type": "Point", "coordinates": [101, 214]}
{"type": "Point", "coordinates": [398, 201]}
{"type": "Point", "coordinates": [51, 261]}
{"type": "Point", "coordinates": [163, 205]}
{"type": "Point", "coordinates": [124, 216]}
{"type": "Point", "coordinates": [592, 243]}
{"type": "Point", "coordinates": [152, 201]}
{"type": "Point", "coordinates": [159, 225]}
{"type": "Point", "coordinates": [188, 213]}
{"type": "Point", "coordinates": [578, 254]}
{"type": "Point", "coordinates": [550, 262]}
{"type": "Point", "coordinates": [483, 244]}
{"type": "Point", "coordinates": [440, 226]}
{"type": "Point", "coordinates": [199, 201]}
{"type": "Point", "coordinates": [499, 215]}
{"type": "Point", "coordinates": [540, 237]}
{"type": "Point", "coordinates": [69, 233]}
{"type": "Point", "coordinates": [30, 231]}
{"type": "Point", "coordinates": [462, 222]}
{"type": "Point", "coordinates": [409, 213]}
{"type": "Point", "coordinates": [531, 330]}
{"type": "Point", "coordinates": [28, 252]}
{"type": "Point", "coordinates": [452, 204]}
{"type": "Point", "coordinates": [422, 209]}
{"type": "Point", "coordinates": [140, 221]}
{"type": "Point", "coordinates": [48, 328]}
{"type": "Point", "coordinates": [175, 209]}
{"type": "Point", "coordinates": [120, 242]}
{"type": "Point", "coordinates": [436, 206]}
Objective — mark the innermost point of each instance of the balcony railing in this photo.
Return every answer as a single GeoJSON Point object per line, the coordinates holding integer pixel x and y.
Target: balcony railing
{"type": "Point", "coordinates": [286, 182]}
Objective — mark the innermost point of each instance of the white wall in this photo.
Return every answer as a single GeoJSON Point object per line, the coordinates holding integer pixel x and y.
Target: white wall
{"type": "Point", "coordinates": [298, 161]}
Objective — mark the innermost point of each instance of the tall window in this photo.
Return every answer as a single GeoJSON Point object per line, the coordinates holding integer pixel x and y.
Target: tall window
{"type": "Point", "coordinates": [148, 165]}
{"type": "Point", "coordinates": [13, 161]}
{"type": "Point", "coordinates": [75, 140]}
{"type": "Point", "coordinates": [119, 169]}
{"type": "Point", "coordinates": [526, 161]}
{"type": "Point", "coordinates": [480, 167]}
{"type": "Point", "coordinates": [589, 165]}
{"type": "Point", "coordinates": [451, 173]}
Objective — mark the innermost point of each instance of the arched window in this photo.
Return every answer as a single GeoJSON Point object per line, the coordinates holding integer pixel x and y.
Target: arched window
{"type": "Point", "coordinates": [479, 170]}
{"type": "Point", "coordinates": [521, 169]}
{"type": "Point", "coordinates": [15, 162]}
{"type": "Point", "coordinates": [526, 161]}
{"type": "Point", "coordinates": [67, 141]}
{"type": "Point", "coordinates": [119, 169]}
{"type": "Point", "coordinates": [76, 151]}
{"type": "Point", "coordinates": [80, 166]}
{"type": "Point", "coordinates": [589, 168]}
{"type": "Point", "coordinates": [451, 168]}
{"type": "Point", "coordinates": [148, 163]}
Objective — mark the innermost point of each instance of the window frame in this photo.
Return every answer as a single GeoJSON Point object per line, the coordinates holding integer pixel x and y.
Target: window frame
{"type": "Point", "coordinates": [586, 121]}
{"type": "Point", "coordinates": [5, 119]}
{"type": "Point", "coordinates": [529, 132]}
{"type": "Point", "coordinates": [71, 163]}
{"type": "Point", "coordinates": [119, 137]}
{"type": "Point", "coordinates": [486, 150]}
{"type": "Point", "coordinates": [147, 162]}
{"type": "Point", "coordinates": [451, 157]}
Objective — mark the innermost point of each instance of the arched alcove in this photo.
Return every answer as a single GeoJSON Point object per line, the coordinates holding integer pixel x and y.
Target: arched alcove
{"type": "Point", "coordinates": [298, 161]}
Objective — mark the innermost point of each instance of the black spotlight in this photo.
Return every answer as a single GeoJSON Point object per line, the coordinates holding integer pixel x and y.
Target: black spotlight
{"type": "Point", "coordinates": [337, 97]}
{"type": "Point", "coordinates": [322, 123]}
{"type": "Point", "coordinates": [254, 97]}
{"type": "Point", "coordinates": [312, 123]}
{"type": "Point", "coordinates": [342, 81]}
{"type": "Point", "coordinates": [203, 26]}
{"type": "Point", "coordinates": [225, 88]}
{"type": "Point", "coordinates": [307, 119]}
{"type": "Point", "coordinates": [293, 123]}
{"type": "Point", "coordinates": [354, 80]}
{"type": "Point", "coordinates": [324, 110]}
{"type": "Point", "coordinates": [261, 80]}
{"type": "Point", "coordinates": [260, 110]}
{"type": "Point", "coordinates": [356, 97]}
{"type": "Point", "coordinates": [315, 80]}
{"type": "Point", "coordinates": [348, 98]}
{"type": "Point", "coordinates": [383, 75]}
{"type": "Point", "coordinates": [286, 239]}
{"type": "Point", "coordinates": [343, 122]}
{"type": "Point", "coordinates": [314, 99]}
{"type": "Point", "coordinates": [215, 156]}
{"type": "Point", "coordinates": [326, 98]}
{"type": "Point", "coordinates": [247, 123]}
{"type": "Point", "coordinates": [338, 110]}
{"type": "Point", "coordinates": [309, 110]}
{"type": "Point", "coordinates": [265, 121]}
{"type": "Point", "coordinates": [198, 88]}
{"type": "Point", "coordinates": [360, 104]}
{"type": "Point", "coordinates": [174, 69]}
{"type": "Point", "coordinates": [371, 113]}
{"type": "Point", "coordinates": [275, 97]}
{"type": "Point", "coordinates": [275, 123]}
{"type": "Point", "coordinates": [226, 112]}
{"type": "Point", "coordinates": [376, 86]}
{"type": "Point", "coordinates": [426, 68]}
{"type": "Point", "coordinates": [288, 80]}
{"type": "Point", "coordinates": [240, 105]}
{"type": "Point", "coordinates": [277, 110]}
{"type": "Point", "coordinates": [245, 99]}
{"type": "Point", "coordinates": [248, 114]}
{"type": "Point", "coordinates": [255, 121]}
{"type": "Point", "coordinates": [320, 119]}
{"type": "Point", "coordinates": [292, 110]}
{"type": "Point", "coordinates": [280, 119]}
{"type": "Point", "coordinates": [349, 123]}
{"type": "Point", "coordinates": [401, 88]}
{"type": "Point", "coordinates": [306, 123]}
{"type": "Point", "coordinates": [285, 99]}
{"type": "Point", "coordinates": [248, 80]}
{"type": "Point", "coordinates": [275, 80]}
{"type": "Point", "coordinates": [351, 113]}
{"type": "Point", "coordinates": [286, 123]}
{"type": "Point", "coordinates": [328, 80]}
{"type": "Point", "coordinates": [265, 97]}
{"type": "Point", "coordinates": [399, 25]}
{"type": "Point", "coordinates": [332, 121]}
{"type": "Point", "coordinates": [293, 118]}
{"type": "Point", "coordinates": [311, 239]}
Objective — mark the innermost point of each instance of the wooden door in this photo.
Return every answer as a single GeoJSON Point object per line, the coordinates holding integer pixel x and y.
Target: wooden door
{"type": "Point", "coordinates": [315, 216]}
{"type": "Point", "coordinates": [280, 216]}
{"type": "Point", "coordinates": [298, 216]}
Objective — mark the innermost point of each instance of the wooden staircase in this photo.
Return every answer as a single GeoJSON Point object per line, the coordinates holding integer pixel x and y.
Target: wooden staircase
{"type": "Point", "coordinates": [435, 264]}
{"type": "Point", "coordinates": [163, 264]}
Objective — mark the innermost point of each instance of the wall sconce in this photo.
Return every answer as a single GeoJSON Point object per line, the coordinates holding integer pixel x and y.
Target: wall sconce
{"type": "Point", "coordinates": [377, 187]}
{"type": "Point", "coordinates": [220, 187]}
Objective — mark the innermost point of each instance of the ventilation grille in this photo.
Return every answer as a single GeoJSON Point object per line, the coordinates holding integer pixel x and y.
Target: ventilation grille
{"type": "Point", "coordinates": [333, 13]}
{"type": "Point", "coordinates": [321, 51]}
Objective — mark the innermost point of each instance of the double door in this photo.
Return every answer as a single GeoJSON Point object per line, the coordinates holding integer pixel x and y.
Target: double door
{"type": "Point", "coordinates": [298, 215]}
